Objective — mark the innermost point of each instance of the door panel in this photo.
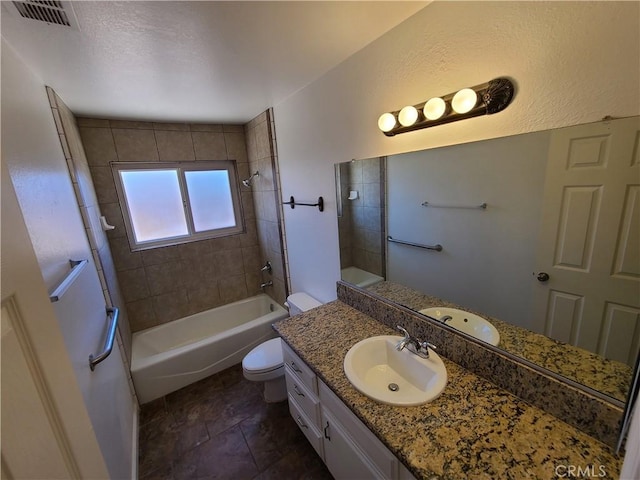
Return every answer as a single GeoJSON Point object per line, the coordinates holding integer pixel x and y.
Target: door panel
{"type": "Point", "coordinates": [590, 246]}
{"type": "Point", "coordinates": [26, 409]}
{"type": "Point", "coordinates": [627, 261]}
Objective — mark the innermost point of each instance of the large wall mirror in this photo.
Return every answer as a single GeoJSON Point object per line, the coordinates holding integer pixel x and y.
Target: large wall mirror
{"type": "Point", "coordinates": [530, 243]}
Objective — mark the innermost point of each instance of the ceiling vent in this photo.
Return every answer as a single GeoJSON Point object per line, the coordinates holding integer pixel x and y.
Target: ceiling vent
{"type": "Point", "coordinates": [51, 12]}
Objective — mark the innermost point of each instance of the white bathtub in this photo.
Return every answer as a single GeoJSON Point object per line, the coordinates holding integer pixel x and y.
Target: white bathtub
{"type": "Point", "coordinates": [170, 356]}
{"type": "Point", "coordinates": [358, 277]}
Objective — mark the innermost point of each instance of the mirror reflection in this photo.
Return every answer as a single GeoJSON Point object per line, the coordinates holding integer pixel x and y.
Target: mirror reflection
{"type": "Point", "coordinates": [540, 237]}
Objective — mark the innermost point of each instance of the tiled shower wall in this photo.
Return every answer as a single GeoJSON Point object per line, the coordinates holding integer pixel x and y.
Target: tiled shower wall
{"type": "Point", "coordinates": [167, 283]}
{"type": "Point", "coordinates": [88, 204]}
{"type": "Point", "coordinates": [261, 146]}
{"type": "Point", "coordinates": [361, 225]}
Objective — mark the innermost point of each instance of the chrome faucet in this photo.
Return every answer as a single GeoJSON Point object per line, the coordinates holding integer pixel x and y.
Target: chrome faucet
{"type": "Point", "coordinates": [266, 284]}
{"type": "Point", "coordinates": [267, 267]}
{"type": "Point", "coordinates": [419, 347]}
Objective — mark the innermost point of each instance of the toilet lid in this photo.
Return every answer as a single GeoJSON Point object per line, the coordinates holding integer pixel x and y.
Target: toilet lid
{"type": "Point", "coordinates": [265, 357]}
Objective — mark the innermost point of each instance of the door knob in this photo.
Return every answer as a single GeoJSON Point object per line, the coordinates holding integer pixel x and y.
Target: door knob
{"type": "Point", "coordinates": [543, 277]}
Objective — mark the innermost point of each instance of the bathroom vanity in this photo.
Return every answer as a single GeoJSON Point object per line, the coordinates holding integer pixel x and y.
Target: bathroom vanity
{"type": "Point", "coordinates": [345, 444]}
{"type": "Point", "coordinates": [474, 429]}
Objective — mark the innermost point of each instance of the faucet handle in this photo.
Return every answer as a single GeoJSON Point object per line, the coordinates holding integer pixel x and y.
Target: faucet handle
{"type": "Point", "coordinates": [427, 345]}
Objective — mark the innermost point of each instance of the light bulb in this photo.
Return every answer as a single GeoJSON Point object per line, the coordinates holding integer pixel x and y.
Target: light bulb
{"type": "Point", "coordinates": [386, 122]}
{"type": "Point", "coordinates": [408, 116]}
{"type": "Point", "coordinates": [434, 108]}
{"type": "Point", "coordinates": [464, 100]}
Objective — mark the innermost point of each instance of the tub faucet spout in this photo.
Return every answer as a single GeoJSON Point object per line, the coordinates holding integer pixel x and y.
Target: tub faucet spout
{"type": "Point", "coordinates": [266, 284]}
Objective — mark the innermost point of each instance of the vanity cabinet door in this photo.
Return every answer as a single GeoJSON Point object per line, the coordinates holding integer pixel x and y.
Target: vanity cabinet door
{"type": "Point", "coordinates": [342, 457]}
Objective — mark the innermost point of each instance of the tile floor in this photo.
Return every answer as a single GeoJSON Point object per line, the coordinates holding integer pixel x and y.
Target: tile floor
{"type": "Point", "coordinates": [221, 428]}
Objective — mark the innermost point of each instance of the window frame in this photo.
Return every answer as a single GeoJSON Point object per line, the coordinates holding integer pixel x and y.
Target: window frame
{"type": "Point", "coordinates": [229, 166]}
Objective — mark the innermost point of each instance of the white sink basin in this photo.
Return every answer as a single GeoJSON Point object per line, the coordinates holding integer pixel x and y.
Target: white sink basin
{"type": "Point", "coordinates": [378, 370]}
{"type": "Point", "coordinates": [466, 322]}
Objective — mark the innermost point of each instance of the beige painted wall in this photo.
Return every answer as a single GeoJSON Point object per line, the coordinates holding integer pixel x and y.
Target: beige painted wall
{"type": "Point", "coordinates": [572, 62]}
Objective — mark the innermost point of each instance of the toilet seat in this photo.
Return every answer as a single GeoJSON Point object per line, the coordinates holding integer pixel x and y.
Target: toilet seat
{"type": "Point", "coordinates": [265, 358]}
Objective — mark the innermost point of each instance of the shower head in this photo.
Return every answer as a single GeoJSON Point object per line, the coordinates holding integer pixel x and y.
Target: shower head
{"type": "Point", "coordinates": [247, 182]}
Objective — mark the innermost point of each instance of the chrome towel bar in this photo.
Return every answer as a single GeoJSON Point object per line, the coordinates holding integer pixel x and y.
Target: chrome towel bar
{"type": "Point", "coordinates": [76, 268]}
{"type": "Point", "coordinates": [108, 343]}
{"type": "Point", "coordinates": [482, 206]}
{"type": "Point", "coordinates": [437, 247]}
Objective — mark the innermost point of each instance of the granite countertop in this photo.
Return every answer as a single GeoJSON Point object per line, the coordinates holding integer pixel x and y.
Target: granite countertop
{"type": "Point", "coordinates": [607, 376]}
{"type": "Point", "coordinates": [473, 430]}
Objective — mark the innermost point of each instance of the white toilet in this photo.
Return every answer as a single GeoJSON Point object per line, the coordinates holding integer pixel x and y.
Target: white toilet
{"type": "Point", "coordinates": [265, 362]}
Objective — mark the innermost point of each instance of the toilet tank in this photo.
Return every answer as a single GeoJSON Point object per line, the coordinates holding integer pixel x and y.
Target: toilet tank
{"type": "Point", "coordinates": [301, 302]}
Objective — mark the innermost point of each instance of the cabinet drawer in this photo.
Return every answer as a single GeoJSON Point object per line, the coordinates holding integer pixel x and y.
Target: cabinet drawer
{"type": "Point", "coordinates": [299, 368]}
{"type": "Point", "coordinates": [310, 431]}
{"type": "Point", "coordinates": [377, 453]}
{"type": "Point", "coordinates": [306, 400]}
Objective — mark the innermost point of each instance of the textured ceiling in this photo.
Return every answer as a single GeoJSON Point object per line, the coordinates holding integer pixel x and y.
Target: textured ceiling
{"type": "Point", "coordinates": [198, 61]}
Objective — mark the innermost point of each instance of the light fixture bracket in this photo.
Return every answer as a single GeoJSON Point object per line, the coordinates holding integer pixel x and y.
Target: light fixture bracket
{"type": "Point", "coordinates": [493, 97]}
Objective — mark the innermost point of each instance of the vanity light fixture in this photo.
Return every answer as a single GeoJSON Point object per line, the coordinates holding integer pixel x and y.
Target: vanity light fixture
{"type": "Point", "coordinates": [485, 99]}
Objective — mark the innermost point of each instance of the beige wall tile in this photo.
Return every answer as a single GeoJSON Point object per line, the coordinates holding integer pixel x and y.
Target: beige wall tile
{"type": "Point", "coordinates": [251, 259]}
{"type": "Point", "coordinates": [155, 256]}
{"type": "Point", "coordinates": [130, 124]}
{"type": "Point", "coordinates": [253, 281]}
{"type": "Point", "coordinates": [204, 297]}
{"type": "Point", "coordinates": [248, 205]}
{"type": "Point", "coordinates": [194, 249]}
{"type": "Point", "coordinates": [133, 284]}
{"type": "Point", "coordinates": [199, 271]}
{"type": "Point", "coordinates": [183, 127]}
{"type": "Point", "coordinates": [236, 146]}
{"type": "Point", "coordinates": [174, 146]}
{"type": "Point", "coordinates": [250, 142]}
{"type": "Point", "coordinates": [99, 146]}
{"type": "Point", "coordinates": [251, 237]}
{"type": "Point", "coordinates": [164, 277]}
{"type": "Point", "coordinates": [135, 145]}
{"type": "Point", "coordinates": [141, 314]}
{"type": "Point", "coordinates": [92, 122]}
{"type": "Point", "coordinates": [104, 185]}
{"type": "Point", "coordinates": [229, 263]}
{"type": "Point", "coordinates": [209, 146]}
{"type": "Point", "coordinates": [263, 141]}
{"type": "Point", "coordinates": [123, 257]}
{"type": "Point", "coordinates": [205, 127]}
{"type": "Point", "coordinates": [171, 306]}
{"type": "Point", "coordinates": [233, 289]}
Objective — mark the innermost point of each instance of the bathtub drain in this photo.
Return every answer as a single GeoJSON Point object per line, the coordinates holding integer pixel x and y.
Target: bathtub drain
{"type": "Point", "coordinates": [393, 387]}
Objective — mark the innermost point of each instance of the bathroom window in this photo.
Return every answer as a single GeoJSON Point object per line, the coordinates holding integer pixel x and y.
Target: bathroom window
{"type": "Point", "coordinates": [170, 203]}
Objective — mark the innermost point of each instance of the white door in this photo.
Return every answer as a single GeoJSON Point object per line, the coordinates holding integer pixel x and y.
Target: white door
{"type": "Point", "coordinates": [590, 246]}
{"type": "Point", "coordinates": [46, 429]}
